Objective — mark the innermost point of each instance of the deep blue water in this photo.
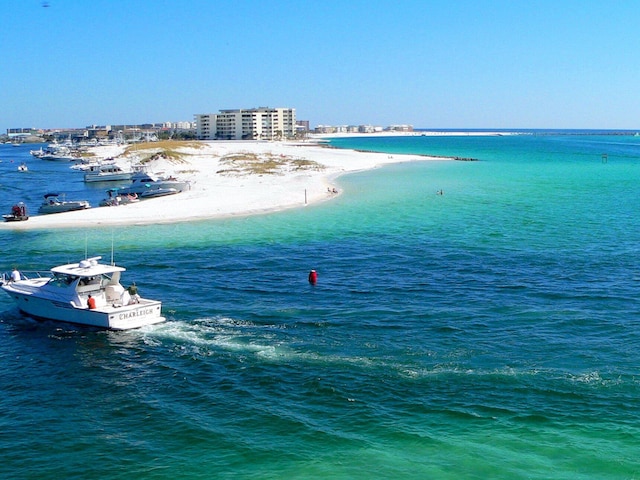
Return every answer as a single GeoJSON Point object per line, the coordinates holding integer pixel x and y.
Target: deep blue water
{"type": "Point", "coordinates": [490, 332]}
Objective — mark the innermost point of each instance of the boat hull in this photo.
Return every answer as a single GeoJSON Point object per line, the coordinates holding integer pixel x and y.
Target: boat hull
{"type": "Point", "coordinates": [116, 177]}
{"type": "Point", "coordinates": [112, 317]}
{"type": "Point", "coordinates": [46, 209]}
{"type": "Point", "coordinates": [15, 218]}
{"type": "Point", "coordinates": [57, 158]}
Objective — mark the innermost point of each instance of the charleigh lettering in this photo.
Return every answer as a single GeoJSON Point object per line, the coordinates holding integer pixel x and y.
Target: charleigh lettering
{"type": "Point", "coordinates": [137, 313]}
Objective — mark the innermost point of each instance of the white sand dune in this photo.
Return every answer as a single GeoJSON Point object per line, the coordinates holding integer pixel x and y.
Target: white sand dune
{"type": "Point", "coordinates": [302, 173]}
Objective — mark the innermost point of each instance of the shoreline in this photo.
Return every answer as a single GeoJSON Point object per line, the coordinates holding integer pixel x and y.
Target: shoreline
{"type": "Point", "coordinates": [228, 179]}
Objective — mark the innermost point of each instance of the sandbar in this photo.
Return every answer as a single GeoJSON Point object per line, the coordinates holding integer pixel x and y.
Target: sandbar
{"type": "Point", "coordinates": [227, 178]}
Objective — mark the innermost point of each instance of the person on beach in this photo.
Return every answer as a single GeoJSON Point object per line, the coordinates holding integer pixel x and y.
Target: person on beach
{"type": "Point", "coordinates": [91, 303]}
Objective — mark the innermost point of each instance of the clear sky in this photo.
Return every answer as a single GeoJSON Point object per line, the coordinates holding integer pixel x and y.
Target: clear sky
{"type": "Point", "coordinates": [432, 64]}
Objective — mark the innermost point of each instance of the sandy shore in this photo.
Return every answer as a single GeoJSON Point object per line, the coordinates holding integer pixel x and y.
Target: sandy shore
{"type": "Point", "coordinates": [227, 179]}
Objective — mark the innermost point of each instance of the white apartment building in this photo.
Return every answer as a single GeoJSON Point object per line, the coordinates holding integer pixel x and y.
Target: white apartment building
{"type": "Point", "coordinates": [262, 123]}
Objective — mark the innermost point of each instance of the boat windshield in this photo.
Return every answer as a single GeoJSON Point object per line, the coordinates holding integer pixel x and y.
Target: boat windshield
{"type": "Point", "coordinates": [62, 279]}
{"type": "Point", "coordinates": [95, 280]}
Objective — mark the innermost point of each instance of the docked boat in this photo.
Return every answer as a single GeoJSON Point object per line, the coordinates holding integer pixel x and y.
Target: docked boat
{"type": "Point", "coordinates": [86, 165]}
{"type": "Point", "coordinates": [85, 293]}
{"type": "Point", "coordinates": [18, 213]}
{"type": "Point", "coordinates": [55, 152]}
{"type": "Point", "coordinates": [106, 173]}
{"type": "Point", "coordinates": [55, 203]}
{"type": "Point", "coordinates": [158, 192]}
{"type": "Point", "coordinates": [115, 198]}
{"type": "Point", "coordinates": [58, 157]}
{"type": "Point", "coordinates": [147, 185]}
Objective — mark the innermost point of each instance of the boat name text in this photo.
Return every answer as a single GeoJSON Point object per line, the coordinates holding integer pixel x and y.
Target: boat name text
{"type": "Point", "coordinates": [136, 313]}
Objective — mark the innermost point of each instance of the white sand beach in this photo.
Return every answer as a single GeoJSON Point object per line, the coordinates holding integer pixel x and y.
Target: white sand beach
{"type": "Point", "coordinates": [227, 179]}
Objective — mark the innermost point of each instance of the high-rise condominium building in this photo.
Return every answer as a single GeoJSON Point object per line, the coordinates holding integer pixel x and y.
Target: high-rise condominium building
{"type": "Point", "coordinates": [247, 124]}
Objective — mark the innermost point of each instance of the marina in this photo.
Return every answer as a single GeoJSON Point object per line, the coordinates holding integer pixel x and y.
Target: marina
{"type": "Point", "coordinates": [80, 185]}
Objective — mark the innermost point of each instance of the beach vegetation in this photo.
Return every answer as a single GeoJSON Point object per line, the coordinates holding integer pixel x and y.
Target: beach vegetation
{"type": "Point", "coordinates": [170, 155]}
{"type": "Point", "coordinates": [265, 164]}
{"type": "Point", "coordinates": [163, 145]}
{"type": "Point", "coordinates": [170, 150]}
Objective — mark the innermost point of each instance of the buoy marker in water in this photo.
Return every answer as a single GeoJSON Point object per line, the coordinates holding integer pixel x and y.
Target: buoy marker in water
{"type": "Point", "coordinates": [313, 277]}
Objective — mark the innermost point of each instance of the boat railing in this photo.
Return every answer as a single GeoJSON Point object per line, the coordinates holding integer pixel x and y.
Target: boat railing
{"type": "Point", "coordinates": [26, 275]}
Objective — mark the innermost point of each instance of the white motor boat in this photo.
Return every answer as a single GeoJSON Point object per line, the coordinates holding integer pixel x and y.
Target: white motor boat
{"type": "Point", "coordinates": [147, 185]}
{"type": "Point", "coordinates": [86, 165]}
{"type": "Point", "coordinates": [55, 152]}
{"type": "Point", "coordinates": [66, 293]}
{"type": "Point", "coordinates": [115, 198]}
{"type": "Point", "coordinates": [106, 173]}
{"type": "Point", "coordinates": [54, 204]}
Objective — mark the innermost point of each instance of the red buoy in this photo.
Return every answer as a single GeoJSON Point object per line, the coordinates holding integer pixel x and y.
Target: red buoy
{"type": "Point", "coordinates": [313, 277]}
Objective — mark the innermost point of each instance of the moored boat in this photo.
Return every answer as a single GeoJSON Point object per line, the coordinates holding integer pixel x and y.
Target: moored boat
{"type": "Point", "coordinates": [86, 165]}
{"type": "Point", "coordinates": [115, 198]}
{"type": "Point", "coordinates": [147, 185]}
{"type": "Point", "coordinates": [158, 192]}
{"type": "Point", "coordinates": [18, 213]}
{"type": "Point", "coordinates": [106, 173]}
{"type": "Point", "coordinates": [54, 204]}
{"type": "Point", "coordinates": [85, 293]}
{"type": "Point", "coordinates": [55, 152]}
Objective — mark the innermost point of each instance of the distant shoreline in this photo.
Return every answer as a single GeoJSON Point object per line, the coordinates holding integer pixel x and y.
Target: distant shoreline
{"type": "Point", "coordinates": [428, 132]}
{"type": "Point", "coordinates": [476, 132]}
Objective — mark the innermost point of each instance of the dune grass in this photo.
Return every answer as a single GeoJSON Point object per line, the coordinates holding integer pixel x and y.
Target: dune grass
{"type": "Point", "coordinates": [264, 164]}
{"type": "Point", "coordinates": [166, 149]}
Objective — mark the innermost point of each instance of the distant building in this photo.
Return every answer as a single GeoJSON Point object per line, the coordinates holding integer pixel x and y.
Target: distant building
{"type": "Point", "coordinates": [99, 132]}
{"type": "Point", "coordinates": [22, 132]}
{"type": "Point", "coordinates": [400, 128]}
{"type": "Point", "coordinates": [324, 129]}
{"type": "Point", "coordinates": [179, 125]}
{"type": "Point", "coordinates": [262, 123]}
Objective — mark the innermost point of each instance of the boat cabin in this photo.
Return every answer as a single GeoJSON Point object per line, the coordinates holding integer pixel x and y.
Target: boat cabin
{"type": "Point", "coordinates": [89, 277]}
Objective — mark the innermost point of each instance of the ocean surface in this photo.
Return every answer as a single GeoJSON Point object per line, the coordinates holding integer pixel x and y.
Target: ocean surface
{"type": "Point", "coordinates": [491, 332]}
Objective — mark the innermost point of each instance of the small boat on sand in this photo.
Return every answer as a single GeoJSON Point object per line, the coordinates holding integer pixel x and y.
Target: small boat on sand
{"type": "Point", "coordinates": [85, 293]}
{"type": "Point", "coordinates": [115, 198]}
{"type": "Point", "coordinates": [147, 185]}
{"type": "Point", "coordinates": [18, 213]}
{"type": "Point", "coordinates": [54, 204]}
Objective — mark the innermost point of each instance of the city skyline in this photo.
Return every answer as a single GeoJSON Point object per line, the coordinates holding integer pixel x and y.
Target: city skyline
{"type": "Point", "coordinates": [468, 64]}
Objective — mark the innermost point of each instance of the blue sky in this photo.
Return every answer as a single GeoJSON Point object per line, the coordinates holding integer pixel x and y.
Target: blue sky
{"type": "Point", "coordinates": [438, 64]}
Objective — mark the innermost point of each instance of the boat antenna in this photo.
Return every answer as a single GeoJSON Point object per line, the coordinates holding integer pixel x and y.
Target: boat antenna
{"type": "Point", "coordinates": [86, 241]}
{"type": "Point", "coordinates": [112, 262]}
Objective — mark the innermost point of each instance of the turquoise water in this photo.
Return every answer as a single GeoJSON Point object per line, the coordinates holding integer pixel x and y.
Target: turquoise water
{"type": "Point", "coordinates": [490, 332]}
